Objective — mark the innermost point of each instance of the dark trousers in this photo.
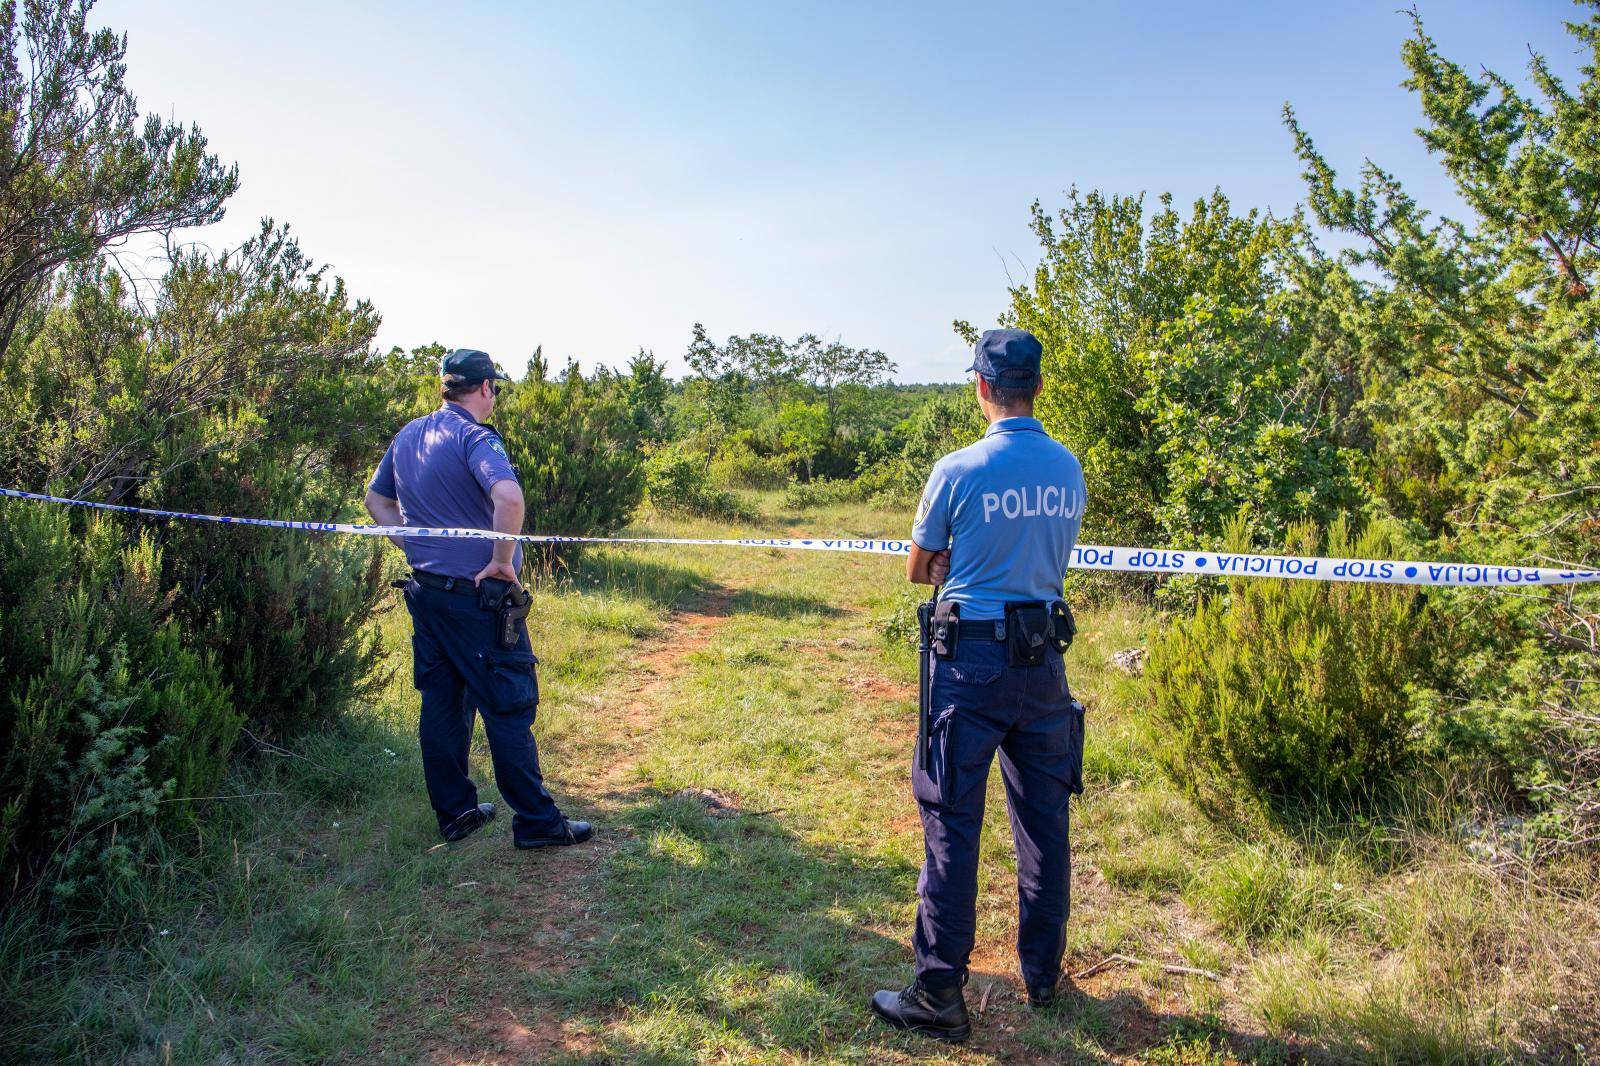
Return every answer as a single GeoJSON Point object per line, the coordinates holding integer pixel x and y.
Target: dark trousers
{"type": "Point", "coordinates": [460, 669]}
{"type": "Point", "coordinates": [980, 706]}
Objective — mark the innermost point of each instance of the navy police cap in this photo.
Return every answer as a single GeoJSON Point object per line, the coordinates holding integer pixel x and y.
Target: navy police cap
{"type": "Point", "coordinates": [1007, 357]}
{"type": "Point", "coordinates": [471, 367]}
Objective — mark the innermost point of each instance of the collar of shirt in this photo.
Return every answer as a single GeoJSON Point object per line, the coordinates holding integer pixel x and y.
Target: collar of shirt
{"type": "Point", "coordinates": [1013, 425]}
{"type": "Point", "coordinates": [462, 411]}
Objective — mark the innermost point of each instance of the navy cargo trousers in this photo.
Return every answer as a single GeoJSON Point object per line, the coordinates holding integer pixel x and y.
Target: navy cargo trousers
{"type": "Point", "coordinates": [979, 705]}
{"type": "Point", "coordinates": [460, 669]}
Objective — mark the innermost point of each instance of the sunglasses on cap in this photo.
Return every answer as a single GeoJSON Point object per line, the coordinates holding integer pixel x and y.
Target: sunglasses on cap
{"type": "Point", "coordinates": [456, 382]}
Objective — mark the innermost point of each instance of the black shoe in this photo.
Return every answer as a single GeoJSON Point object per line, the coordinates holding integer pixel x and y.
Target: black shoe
{"type": "Point", "coordinates": [935, 1012]}
{"type": "Point", "coordinates": [469, 823]}
{"type": "Point", "coordinates": [572, 833]}
{"type": "Point", "coordinates": [1042, 996]}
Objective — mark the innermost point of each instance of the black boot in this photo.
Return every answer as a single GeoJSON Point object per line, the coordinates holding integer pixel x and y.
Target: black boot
{"type": "Point", "coordinates": [1046, 994]}
{"type": "Point", "coordinates": [469, 823]}
{"type": "Point", "coordinates": [570, 833]}
{"type": "Point", "coordinates": [936, 1012]}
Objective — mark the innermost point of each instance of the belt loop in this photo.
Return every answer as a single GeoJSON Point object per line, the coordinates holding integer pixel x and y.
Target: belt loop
{"type": "Point", "coordinates": [999, 629]}
{"type": "Point", "coordinates": [449, 584]}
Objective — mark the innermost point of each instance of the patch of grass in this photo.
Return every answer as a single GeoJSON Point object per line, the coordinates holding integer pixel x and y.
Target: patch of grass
{"type": "Point", "coordinates": [1078, 1029]}
{"type": "Point", "coordinates": [287, 926]}
{"type": "Point", "coordinates": [611, 613]}
{"type": "Point", "coordinates": [1189, 1043]}
{"type": "Point", "coordinates": [1155, 866]}
{"type": "Point", "coordinates": [1263, 892]}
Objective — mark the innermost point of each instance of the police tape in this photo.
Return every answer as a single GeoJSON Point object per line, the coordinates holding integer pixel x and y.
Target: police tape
{"type": "Point", "coordinates": [1084, 556]}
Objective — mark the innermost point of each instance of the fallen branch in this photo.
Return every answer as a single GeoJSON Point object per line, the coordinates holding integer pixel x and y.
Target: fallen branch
{"type": "Point", "coordinates": [230, 796]}
{"type": "Point", "coordinates": [273, 749]}
{"type": "Point", "coordinates": [1129, 960]}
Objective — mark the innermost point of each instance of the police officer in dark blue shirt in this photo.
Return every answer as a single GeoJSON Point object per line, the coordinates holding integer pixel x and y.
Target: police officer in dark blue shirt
{"type": "Point", "coordinates": [996, 527]}
{"type": "Point", "coordinates": [450, 469]}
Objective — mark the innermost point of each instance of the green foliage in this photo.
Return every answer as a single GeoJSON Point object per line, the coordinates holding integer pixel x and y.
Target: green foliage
{"type": "Point", "coordinates": [816, 403]}
{"type": "Point", "coordinates": [234, 383]}
{"type": "Point", "coordinates": [804, 431]}
{"type": "Point", "coordinates": [1174, 372]}
{"type": "Point", "coordinates": [946, 422]}
{"type": "Point", "coordinates": [576, 446]}
{"type": "Point", "coordinates": [242, 386]}
{"type": "Point", "coordinates": [1292, 694]}
{"type": "Point", "coordinates": [679, 482]}
{"type": "Point", "coordinates": [741, 465]}
{"type": "Point", "coordinates": [1236, 422]}
{"type": "Point", "coordinates": [646, 392]}
{"type": "Point", "coordinates": [803, 495]}
{"type": "Point", "coordinates": [1474, 343]}
{"type": "Point", "coordinates": [104, 713]}
{"type": "Point", "coordinates": [80, 172]}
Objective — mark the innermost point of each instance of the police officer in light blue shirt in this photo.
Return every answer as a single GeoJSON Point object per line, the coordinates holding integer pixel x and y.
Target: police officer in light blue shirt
{"type": "Point", "coordinates": [449, 469]}
{"type": "Point", "coordinates": [996, 526]}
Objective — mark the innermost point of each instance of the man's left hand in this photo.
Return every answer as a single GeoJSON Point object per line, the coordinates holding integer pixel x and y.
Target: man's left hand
{"type": "Point", "coordinates": [503, 571]}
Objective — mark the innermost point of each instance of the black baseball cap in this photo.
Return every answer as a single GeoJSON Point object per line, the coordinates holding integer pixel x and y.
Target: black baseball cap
{"type": "Point", "coordinates": [468, 366]}
{"type": "Point", "coordinates": [1008, 357]}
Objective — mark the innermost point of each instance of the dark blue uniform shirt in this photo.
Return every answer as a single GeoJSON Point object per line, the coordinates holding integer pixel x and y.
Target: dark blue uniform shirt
{"type": "Point", "coordinates": [441, 467]}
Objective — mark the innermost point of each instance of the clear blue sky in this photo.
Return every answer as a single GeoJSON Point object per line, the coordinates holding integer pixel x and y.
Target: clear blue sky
{"type": "Point", "coordinates": [597, 178]}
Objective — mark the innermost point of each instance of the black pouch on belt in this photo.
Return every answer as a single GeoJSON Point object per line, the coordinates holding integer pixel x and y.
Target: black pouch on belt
{"type": "Point", "coordinates": [946, 628]}
{"type": "Point", "coordinates": [1027, 632]}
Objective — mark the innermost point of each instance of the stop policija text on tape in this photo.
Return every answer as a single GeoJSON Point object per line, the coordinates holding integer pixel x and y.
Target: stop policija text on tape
{"type": "Point", "coordinates": [1084, 556]}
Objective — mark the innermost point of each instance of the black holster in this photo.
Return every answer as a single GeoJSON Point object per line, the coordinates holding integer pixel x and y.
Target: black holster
{"type": "Point", "coordinates": [938, 629]}
{"type": "Point", "coordinates": [510, 607]}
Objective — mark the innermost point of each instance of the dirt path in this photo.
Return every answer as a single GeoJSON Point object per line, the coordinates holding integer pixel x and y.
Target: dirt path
{"type": "Point", "coordinates": [540, 910]}
{"type": "Point", "coordinates": [547, 919]}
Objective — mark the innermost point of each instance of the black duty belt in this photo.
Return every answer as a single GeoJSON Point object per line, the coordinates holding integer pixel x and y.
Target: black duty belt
{"type": "Point", "coordinates": [460, 585]}
{"type": "Point", "coordinates": [983, 629]}
{"type": "Point", "coordinates": [1028, 629]}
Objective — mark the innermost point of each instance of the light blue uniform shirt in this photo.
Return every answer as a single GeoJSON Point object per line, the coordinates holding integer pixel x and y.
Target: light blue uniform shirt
{"type": "Point", "coordinates": [1008, 507]}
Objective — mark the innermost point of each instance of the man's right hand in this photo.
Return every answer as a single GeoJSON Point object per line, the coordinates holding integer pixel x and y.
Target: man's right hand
{"type": "Point", "coordinates": [496, 568]}
{"type": "Point", "coordinates": [924, 567]}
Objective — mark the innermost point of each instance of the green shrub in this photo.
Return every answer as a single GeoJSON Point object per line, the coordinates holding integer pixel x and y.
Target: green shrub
{"type": "Point", "coordinates": [897, 622]}
{"type": "Point", "coordinates": [104, 713]}
{"type": "Point", "coordinates": [1287, 693]}
{"type": "Point", "coordinates": [134, 651]}
{"type": "Point", "coordinates": [576, 446]}
{"type": "Point", "coordinates": [283, 613]}
{"type": "Point", "coordinates": [744, 469]}
{"type": "Point", "coordinates": [679, 482]}
{"type": "Point", "coordinates": [939, 427]}
{"type": "Point", "coordinates": [825, 491]}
